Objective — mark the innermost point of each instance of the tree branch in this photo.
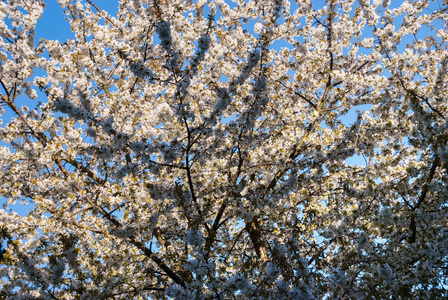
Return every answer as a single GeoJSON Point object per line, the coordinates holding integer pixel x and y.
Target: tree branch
{"type": "Point", "coordinates": [254, 230]}
{"type": "Point", "coordinates": [413, 225]}
{"type": "Point", "coordinates": [216, 223]}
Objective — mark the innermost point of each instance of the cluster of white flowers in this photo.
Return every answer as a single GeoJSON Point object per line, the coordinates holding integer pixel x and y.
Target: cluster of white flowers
{"type": "Point", "coordinates": [193, 237]}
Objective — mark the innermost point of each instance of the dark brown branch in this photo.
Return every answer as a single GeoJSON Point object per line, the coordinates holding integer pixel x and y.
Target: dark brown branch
{"type": "Point", "coordinates": [254, 230]}
{"type": "Point", "coordinates": [82, 168]}
{"type": "Point", "coordinates": [421, 199]}
{"type": "Point", "coordinates": [330, 38]}
{"type": "Point", "coordinates": [99, 10]}
{"type": "Point", "coordinates": [236, 240]}
{"type": "Point", "coordinates": [307, 100]}
{"type": "Point", "coordinates": [158, 261]}
{"type": "Point", "coordinates": [189, 178]}
{"type": "Point", "coordinates": [9, 100]}
{"type": "Point", "coordinates": [216, 223]}
{"type": "Point", "coordinates": [431, 107]}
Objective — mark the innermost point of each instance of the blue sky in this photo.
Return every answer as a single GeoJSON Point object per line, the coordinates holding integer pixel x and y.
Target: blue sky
{"type": "Point", "coordinates": [53, 26]}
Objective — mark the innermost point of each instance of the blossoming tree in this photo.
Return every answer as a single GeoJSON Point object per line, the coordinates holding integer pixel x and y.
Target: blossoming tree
{"type": "Point", "coordinates": [198, 150]}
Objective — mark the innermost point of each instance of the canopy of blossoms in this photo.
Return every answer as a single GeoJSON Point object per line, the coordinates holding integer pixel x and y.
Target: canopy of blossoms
{"type": "Point", "coordinates": [199, 150]}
